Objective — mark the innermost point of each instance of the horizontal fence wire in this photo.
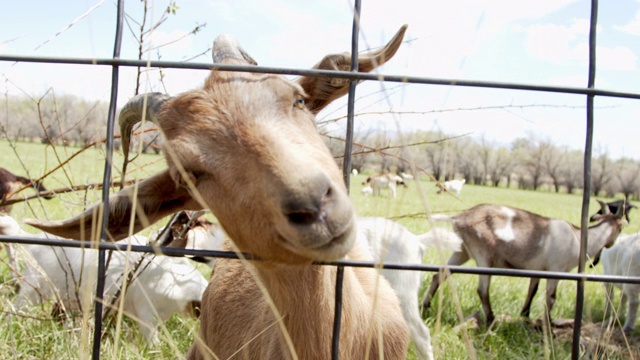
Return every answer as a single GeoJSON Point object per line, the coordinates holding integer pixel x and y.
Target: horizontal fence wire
{"type": "Point", "coordinates": [590, 91]}
{"type": "Point", "coordinates": [179, 252]}
{"type": "Point", "coordinates": [328, 73]}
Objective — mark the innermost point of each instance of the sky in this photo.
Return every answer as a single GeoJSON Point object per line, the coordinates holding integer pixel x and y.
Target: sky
{"type": "Point", "coordinates": [543, 42]}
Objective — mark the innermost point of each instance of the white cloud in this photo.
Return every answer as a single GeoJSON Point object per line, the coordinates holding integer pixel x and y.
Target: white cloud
{"type": "Point", "coordinates": [225, 10]}
{"type": "Point", "coordinates": [553, 42]}
{"type": "Point", "coordinates": [616, 58]}
{"type": "Point", "coordinates": [558, 43]}
{"type": "Point", "coordinates": [632, 27]}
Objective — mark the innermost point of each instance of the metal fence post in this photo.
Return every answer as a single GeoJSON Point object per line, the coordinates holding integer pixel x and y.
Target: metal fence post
{"type": "Point", "coordinates": [97, 331]}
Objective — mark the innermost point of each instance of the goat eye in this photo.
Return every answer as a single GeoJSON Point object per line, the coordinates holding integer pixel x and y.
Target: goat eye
{"type": "Point", "coordinates": [299, 103]}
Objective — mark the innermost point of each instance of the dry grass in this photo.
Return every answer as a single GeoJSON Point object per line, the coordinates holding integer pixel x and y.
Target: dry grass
{"type": "Point", "coordinates": [37, 336]}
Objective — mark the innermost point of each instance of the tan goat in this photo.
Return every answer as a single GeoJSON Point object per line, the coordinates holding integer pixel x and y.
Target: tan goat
{"type": "Point", "coordinates": [505, 237]}
{"type": "Point", "coordinates": [246, 147]}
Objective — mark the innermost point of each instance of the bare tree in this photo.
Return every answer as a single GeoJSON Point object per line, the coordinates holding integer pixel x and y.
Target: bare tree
{"type": "Point", "coordinates": [500, 166]}
{"type": "Point", "coordinates": [572, 171]}
{"type": "Point", "coordinates": [601, 173]}
{"type": "Point", "coordinates": [486, 158]}
{"type": "Point", "coordinates": [627, 173]}
{"type": "Point", "coordinates": [553, 161]}
{"type": "Point", "coordinates": [533, 154]}
{"type": "Point", "coordinates": [468, 160]}
{"type": "Point", "coordinates": [437, 154]}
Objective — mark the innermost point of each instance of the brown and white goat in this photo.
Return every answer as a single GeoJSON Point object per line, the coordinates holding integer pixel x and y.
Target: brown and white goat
{"type": "Point", "coordinates": [11, 183]}
{"type": "Point", "coordinates": [451, 186]}
{"type": "Point", "coordinates": [504, 237]}
{"type": "Point", "coordinates": [383, 181]}
{"type": "Point", "coordinates": [246, 147]}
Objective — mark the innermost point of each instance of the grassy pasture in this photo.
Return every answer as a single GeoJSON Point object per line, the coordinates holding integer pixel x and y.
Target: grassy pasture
{"type": "Point", "coordinates": [36, 336]}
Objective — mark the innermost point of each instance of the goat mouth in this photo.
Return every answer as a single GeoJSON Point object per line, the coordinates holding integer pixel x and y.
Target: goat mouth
{"type": "Point", "coordinates": [324, 250]}
{"type": "Point", "coordinates": [338, 240]}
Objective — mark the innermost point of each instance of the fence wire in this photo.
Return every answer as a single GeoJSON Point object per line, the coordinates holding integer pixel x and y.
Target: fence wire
{"type": "Point", "coordinates": [590, 92]}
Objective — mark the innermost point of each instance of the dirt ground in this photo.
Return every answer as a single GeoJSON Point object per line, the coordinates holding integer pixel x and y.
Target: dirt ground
{"type": "Point", "coordinates": [598, 341]}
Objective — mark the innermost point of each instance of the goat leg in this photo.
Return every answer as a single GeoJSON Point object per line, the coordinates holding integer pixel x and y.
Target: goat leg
{"type": "Point", "coordinates": [632, 311]}
{"type": "Point", "coordinates": [533, 289]}
{"type": "Point", "coordinates": [552, 285]}
{"type": "Point", "coordinates": [483, 292]}
{"type": "Point", "coordinates": [433, 287]}
{"type": "Point", "coordinates": [608, 303]}
{"type": "Point", "coordinates": [458, 258]}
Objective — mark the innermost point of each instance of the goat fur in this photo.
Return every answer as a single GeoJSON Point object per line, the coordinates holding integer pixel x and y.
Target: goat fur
{"type": "Point", "coordinates": [391, 242]}
{"type": "Point", "coordinates": [382, 181]}
{"type": "Point", "coordinates": [245, 146]}
{"type": "Point", "coordinates": [623, 259]}
{"type": "Point", "coordinates": [10, 184]}
{"type": "Point", "coordinates": [161, 287]}
{"type": "Point", "coordinates": [505, 237]}
{"type": "Point", "coordinates": [451, 186]}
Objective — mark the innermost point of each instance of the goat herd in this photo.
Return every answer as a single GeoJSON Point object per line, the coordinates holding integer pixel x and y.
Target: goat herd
{"type": "Point", "coordinates": [245, 147]}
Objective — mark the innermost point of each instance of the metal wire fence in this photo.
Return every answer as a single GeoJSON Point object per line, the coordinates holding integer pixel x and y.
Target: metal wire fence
{"type": "Point", "coordinates": [589, 92]}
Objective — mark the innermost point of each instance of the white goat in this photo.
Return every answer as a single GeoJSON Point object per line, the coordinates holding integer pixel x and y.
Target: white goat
{"type": "Point", "coordinates": [367, 190]}
{"type": "Point", "coordinates": [452, 186]}
{"type": "Point", "coordinates": [245, 146]}
{"type": "Point", "coordinates": [161, 287]}
{"type": "Point", "coordinates": [383, 181]}
{"type": "Point", "coordinates": [406, 176]}
{"type": "Point", "coordinates": [623, 259]}
{"type": "Point", "coordinates": [391, 242]}
{"type": "Point", "coordinates": [504, 237]}
{"type": "Point", "coordinates": [191, 230]}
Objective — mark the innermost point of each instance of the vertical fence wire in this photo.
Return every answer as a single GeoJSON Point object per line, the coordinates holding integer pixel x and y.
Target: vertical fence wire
{"type": "Point", "coordinates": [100, 284]}
{"type": "Point", "coordinates": [586, 193]}
{"type": "Point", "coordinates": [346, 171]}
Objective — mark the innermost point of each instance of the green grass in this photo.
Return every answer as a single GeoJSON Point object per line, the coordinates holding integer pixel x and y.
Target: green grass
{"type": "Point", "coordinates": [36, 337]}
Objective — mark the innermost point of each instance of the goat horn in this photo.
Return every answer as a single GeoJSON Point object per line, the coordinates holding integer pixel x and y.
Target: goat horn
{"type": "Point", "coordinates": [621, 210]}
{"type": "Point", "coordinates": [371, 60]}
{"type": "Point", "coordinates": [226, 49]}
{"type": "Point", "coordinates": [323, 90]}
{"type": "Point", "coordinates": [604, 207]}
{"type": "Point", "coordinates": [142, 105]}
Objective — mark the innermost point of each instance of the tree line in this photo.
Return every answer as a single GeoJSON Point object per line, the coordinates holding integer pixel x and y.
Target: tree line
{"type": "Point", "coordinates": [528, 162]}
{"type": "Point", "coordinates": [66, 120]}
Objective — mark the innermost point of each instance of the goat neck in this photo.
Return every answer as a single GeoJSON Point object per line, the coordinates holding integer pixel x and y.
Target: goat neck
{"type": "Point", "coordinates": [604, 233]}
{"type": "Point", "coordinates": [304, 297]}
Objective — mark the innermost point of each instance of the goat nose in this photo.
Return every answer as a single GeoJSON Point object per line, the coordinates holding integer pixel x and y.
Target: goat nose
{"type": "Point", "coordinates": [306, 204]}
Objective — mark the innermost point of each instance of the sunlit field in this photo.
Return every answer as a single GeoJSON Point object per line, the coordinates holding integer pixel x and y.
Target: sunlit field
{"type": "Point", "coordinates": [455, 333]}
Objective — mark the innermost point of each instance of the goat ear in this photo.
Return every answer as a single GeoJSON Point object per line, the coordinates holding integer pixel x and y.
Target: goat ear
{"type": "Point", "coordinates": [323, 90]}
{"type": "Point", "coordinates": [156, 197]}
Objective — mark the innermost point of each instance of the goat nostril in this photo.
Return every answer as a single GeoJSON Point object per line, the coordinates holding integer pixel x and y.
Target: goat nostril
{"type": "Point", "coordinates": [303, 217]}
{"type": "Point", "coordinates": [309, 200]}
